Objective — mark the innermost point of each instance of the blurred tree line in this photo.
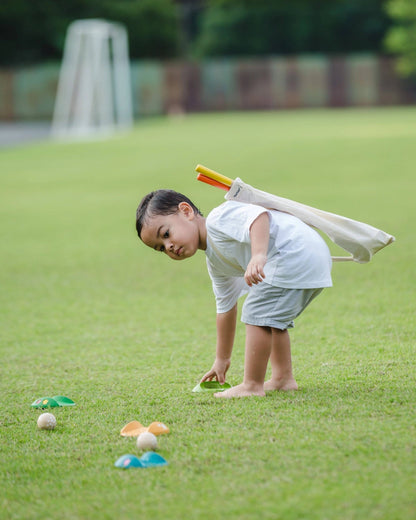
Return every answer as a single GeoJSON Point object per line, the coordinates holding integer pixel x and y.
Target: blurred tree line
{"type": "Point", "coordinates": [401, 38]}
{"type": "Point", "coordinates": [34, 30]}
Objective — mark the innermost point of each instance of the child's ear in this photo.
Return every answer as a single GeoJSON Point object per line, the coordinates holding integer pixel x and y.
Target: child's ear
{"type": "Point", "coordinates": [186, 209]}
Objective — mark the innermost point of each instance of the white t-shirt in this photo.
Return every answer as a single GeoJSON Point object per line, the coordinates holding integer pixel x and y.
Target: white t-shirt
{"type": "Point", "coordinates": [297, 257]}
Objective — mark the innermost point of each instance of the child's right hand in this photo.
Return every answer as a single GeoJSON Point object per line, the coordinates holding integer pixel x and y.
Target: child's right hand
{"type": "Point", "coordinates": [218, 371]}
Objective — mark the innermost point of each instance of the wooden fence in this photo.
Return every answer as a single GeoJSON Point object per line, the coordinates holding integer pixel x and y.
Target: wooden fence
{"type": "Point", "coordinates": [226, 84]}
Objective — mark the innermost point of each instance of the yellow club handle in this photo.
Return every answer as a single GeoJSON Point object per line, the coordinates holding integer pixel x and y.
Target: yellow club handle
{"type": "Point", "coordinates": [214, 175]}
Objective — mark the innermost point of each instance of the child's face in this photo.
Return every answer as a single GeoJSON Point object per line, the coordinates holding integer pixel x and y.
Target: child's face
{"type": "Point", "coordinates": [177, 234]}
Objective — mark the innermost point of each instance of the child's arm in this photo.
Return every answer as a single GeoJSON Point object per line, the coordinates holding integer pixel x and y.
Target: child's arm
{"type": "Point", "coordinates": [226, 323]}
{"type": "Point", "coordinates": [259, 234]}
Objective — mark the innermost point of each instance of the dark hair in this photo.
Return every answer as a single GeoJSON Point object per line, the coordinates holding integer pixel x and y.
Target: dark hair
{"type": "Point", "coordinates": [160, 202]}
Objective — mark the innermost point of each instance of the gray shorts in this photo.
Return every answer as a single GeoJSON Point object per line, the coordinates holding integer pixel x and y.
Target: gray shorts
{"type": "Point", "coordinates": [268, 306]}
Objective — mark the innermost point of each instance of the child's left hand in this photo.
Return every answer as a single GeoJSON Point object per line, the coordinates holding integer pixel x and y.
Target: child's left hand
{"type": "Point", "coordinates": [255, 270]}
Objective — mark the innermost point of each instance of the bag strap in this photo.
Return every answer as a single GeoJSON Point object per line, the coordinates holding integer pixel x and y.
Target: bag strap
{"type": "Point", "coordinates": [236, 266]}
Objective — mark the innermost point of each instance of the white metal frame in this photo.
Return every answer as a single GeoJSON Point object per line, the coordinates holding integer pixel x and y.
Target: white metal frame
{"type": "Point", "coordinates": [94, 88]}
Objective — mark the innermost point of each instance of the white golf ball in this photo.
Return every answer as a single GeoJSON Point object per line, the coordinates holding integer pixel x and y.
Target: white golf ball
{"type": "Point", "coordinates": [146, 441]}
{"type": "Point", "coordinates": [46, 421]}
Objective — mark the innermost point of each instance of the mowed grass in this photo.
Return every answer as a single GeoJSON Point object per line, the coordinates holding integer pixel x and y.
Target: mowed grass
{"type": "Point", "coordinates": [88, 312]}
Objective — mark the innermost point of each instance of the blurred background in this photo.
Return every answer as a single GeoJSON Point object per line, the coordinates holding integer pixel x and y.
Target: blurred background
{"type": "Point", "coordinates": [218, 55]}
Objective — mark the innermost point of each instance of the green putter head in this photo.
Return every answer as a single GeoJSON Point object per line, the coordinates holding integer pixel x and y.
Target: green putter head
{"type": "Point", "coordinates": [63, 401]}
{"type": "Point", "coordinates": [45, 402]}
{"type": "Point", "coordinates": [52, 402]}
{"type": "Point", "coordinates": [213, 386]}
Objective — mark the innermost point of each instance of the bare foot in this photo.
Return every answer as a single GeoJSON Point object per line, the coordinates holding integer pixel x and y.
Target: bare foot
{"type": "Point", "coordinates": [280, 384]}
{"type": "Point", "coordinates": [242, 390]}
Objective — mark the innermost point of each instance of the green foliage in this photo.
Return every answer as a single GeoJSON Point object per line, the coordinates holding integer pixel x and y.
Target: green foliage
{"type": "Point", "coordinates": [235, 27]}
{"type": "Point", "coordinates": [88, 312]}
{"type": "Point", "coordinates": [401, 38]}
{"type": "Point", "coordinates": [152, 25]}
{"type": "Point", "coordinates": [35, 31]}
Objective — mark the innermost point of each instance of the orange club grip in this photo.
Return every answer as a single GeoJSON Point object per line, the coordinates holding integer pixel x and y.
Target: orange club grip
{"type": "Point", "coordinates": [212, 182]}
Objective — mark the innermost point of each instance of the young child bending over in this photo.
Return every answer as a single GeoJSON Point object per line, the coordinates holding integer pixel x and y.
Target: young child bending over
{"type": "Point", "coordinates": [281, 262]}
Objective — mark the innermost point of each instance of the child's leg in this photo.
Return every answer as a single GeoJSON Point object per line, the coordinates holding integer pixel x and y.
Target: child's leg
{"type": "Point", "coordinates": [281, 361]}
{"type": "Point", "coordinates": [258, 347]}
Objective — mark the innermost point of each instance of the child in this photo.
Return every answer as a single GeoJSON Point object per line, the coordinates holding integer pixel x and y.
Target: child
{"type": "Point", "coordinates": [281, 262]}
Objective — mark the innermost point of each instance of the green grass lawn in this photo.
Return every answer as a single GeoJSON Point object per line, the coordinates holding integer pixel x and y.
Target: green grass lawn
{"type": "Point", "coordinates": [88, 312]}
